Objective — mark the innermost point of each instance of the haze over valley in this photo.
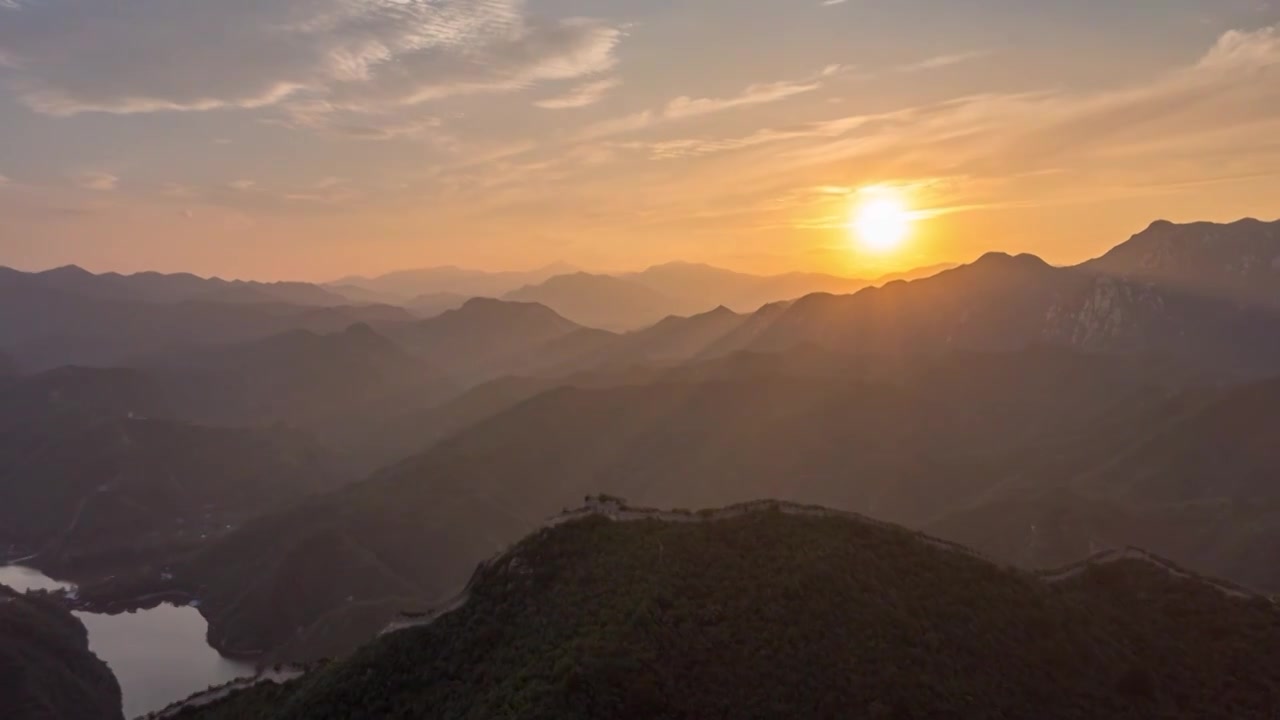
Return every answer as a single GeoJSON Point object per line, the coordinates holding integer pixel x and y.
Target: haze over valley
{"type": "Point", "coordinates": [725, 358]}
{"type": "Point", "coordinates": [307, 475]}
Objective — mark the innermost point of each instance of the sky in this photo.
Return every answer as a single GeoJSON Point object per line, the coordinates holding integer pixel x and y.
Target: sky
{"type": "Point", "coordinates": [313, 139]}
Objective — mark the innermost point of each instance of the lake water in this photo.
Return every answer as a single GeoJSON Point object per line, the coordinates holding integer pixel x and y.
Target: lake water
{"type": "Point", "coordinates": [159, 656]}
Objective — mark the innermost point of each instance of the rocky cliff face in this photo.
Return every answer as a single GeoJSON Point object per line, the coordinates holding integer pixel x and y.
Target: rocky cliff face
{"type": "Point", "coordinates": [1238, 262]}
{"type": "Point", "coordinates": [1107, 315]}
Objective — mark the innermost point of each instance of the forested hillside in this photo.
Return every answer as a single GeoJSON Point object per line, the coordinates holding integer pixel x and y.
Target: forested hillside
{"type": "Point", "coordinates": [788, 612]}
{"type": "Point", "coordinates": [46, 669]}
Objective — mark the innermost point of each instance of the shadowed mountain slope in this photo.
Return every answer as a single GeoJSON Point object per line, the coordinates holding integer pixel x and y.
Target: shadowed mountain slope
{"type": "Point", "coordinates": [47, 671]}
{"type": "Point", "coordinates": [910, 448]}
{"type": "Point", "coordinates": [86, 493]}
{"type": "Point", "coordinates": [1002, 303]}
{"type": "Point", "coordinates": [321, 382]}
{"type": "Point", "coordinates": [1196, 483]}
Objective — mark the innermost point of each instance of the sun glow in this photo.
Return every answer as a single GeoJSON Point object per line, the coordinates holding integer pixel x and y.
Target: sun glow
{"type": "Point", "coordinates": [881, 222]}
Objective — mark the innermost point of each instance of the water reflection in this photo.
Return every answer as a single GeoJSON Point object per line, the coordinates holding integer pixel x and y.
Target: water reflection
{"type": "Point", "coordinates": [159, 656]}
{"type": "Point", "coordinates": [24, 579]}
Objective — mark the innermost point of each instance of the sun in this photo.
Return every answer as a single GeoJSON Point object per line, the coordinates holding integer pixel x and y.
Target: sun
{"type": "Point", "coordinates": [881, 223]}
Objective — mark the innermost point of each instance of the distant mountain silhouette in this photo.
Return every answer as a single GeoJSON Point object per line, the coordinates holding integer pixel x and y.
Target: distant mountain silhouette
{"type": "Point", "coordinates": [1239, 262]}
{"type": "Point", "coordinates": [484, 337]}
{"type": "Point", "coordinates": [161, 288]}
{"type": "Point", "coordinates": [44, 327]}
{"type": "Point", "coordinates": [919, 273]}
{"type": "Point", "coordinates": [699, 288]}
{"type": "Point", "coordinates": [600, 301]}
{"type": "Point", "coordinates": [621, 302]}
{"type": "Point", "coordinates": [434, 304]}
{"type": "Point", "coordinates": [636, 300]}
{"type": "Point", "coordinates": [408, 284]}
{"type": "Point", "coordinates": [671, 341]}
{"type": "Point", "coordinates": [356, 295]}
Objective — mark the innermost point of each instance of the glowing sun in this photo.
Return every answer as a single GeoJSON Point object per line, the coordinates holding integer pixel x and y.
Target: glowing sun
{"type": "Point", "coordinates": [882, 222]}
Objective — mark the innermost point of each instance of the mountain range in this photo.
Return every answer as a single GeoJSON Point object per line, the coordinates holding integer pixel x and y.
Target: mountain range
{"type": "Point", "coordinates": [309, 473]}
{"type": "Point", "coordinates": [618, 302]}
{"type": "Point", "coordinates": [71, 328]}
{"type": "Point", "coordinates": [406, 285]}
{"type": "Point", "coordinates": [1005, 303]}
{"type": "Point", "coordinates": [154, 287]}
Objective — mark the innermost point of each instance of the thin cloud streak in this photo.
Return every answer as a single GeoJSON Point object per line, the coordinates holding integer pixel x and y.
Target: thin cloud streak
{"type": "Point", "coordinates": [943, 61]}
{"type": "Point", "coordinates": [683, 107]}
{"type": "Point", "coordinates": [581, 96]}
{"type": "Point", "coordinates": [98, 181]}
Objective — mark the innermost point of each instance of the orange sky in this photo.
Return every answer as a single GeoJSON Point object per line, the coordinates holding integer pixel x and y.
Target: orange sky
{"type": "Point", "coordinates": [618, 134]}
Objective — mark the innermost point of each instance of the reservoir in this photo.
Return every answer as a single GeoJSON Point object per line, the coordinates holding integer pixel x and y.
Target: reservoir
{"type": "Point", "coordinates": [158, 656]}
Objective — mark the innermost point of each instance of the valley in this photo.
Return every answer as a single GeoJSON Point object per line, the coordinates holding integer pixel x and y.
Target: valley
{"type": "Point", "coordinates": [287, 482]}
{"type": "Point", "coordinates": [639, 360]}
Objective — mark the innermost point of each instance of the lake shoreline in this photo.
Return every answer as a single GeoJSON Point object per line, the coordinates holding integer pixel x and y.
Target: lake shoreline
{"type": "Point", "coordinates": [158, 645]}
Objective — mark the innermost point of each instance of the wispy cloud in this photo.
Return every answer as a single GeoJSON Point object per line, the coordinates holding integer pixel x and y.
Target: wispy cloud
{"type": "Point", "coordinates": [1004, 129]}
{"type": "Point", "coordinates": [66, 57]}
{"type": "Point", "coordinates": [326, 119]}
{"type": "Point", "coordinates": [97, 180]}
{"type": "Point", "coordinates": [760, 94]}
{"type": "Point", "coordinates": [618, 126]}
{"type": "Point", "coordinates": [580, 96]}
{"type": "Point", "coordinates": [689, 107]}
{"type": "Point", "coordinates": [253, 197]}
{"type": "Point", "coordinates": [942, 61]}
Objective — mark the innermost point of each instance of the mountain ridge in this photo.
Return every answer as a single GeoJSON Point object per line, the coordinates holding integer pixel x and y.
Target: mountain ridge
{"type": "Point", "coordinates": [156, 287]}
{"type": "Point", "coordinates": [805, 615]}
{"type": "Point", "coordinates": [1238, 261]}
